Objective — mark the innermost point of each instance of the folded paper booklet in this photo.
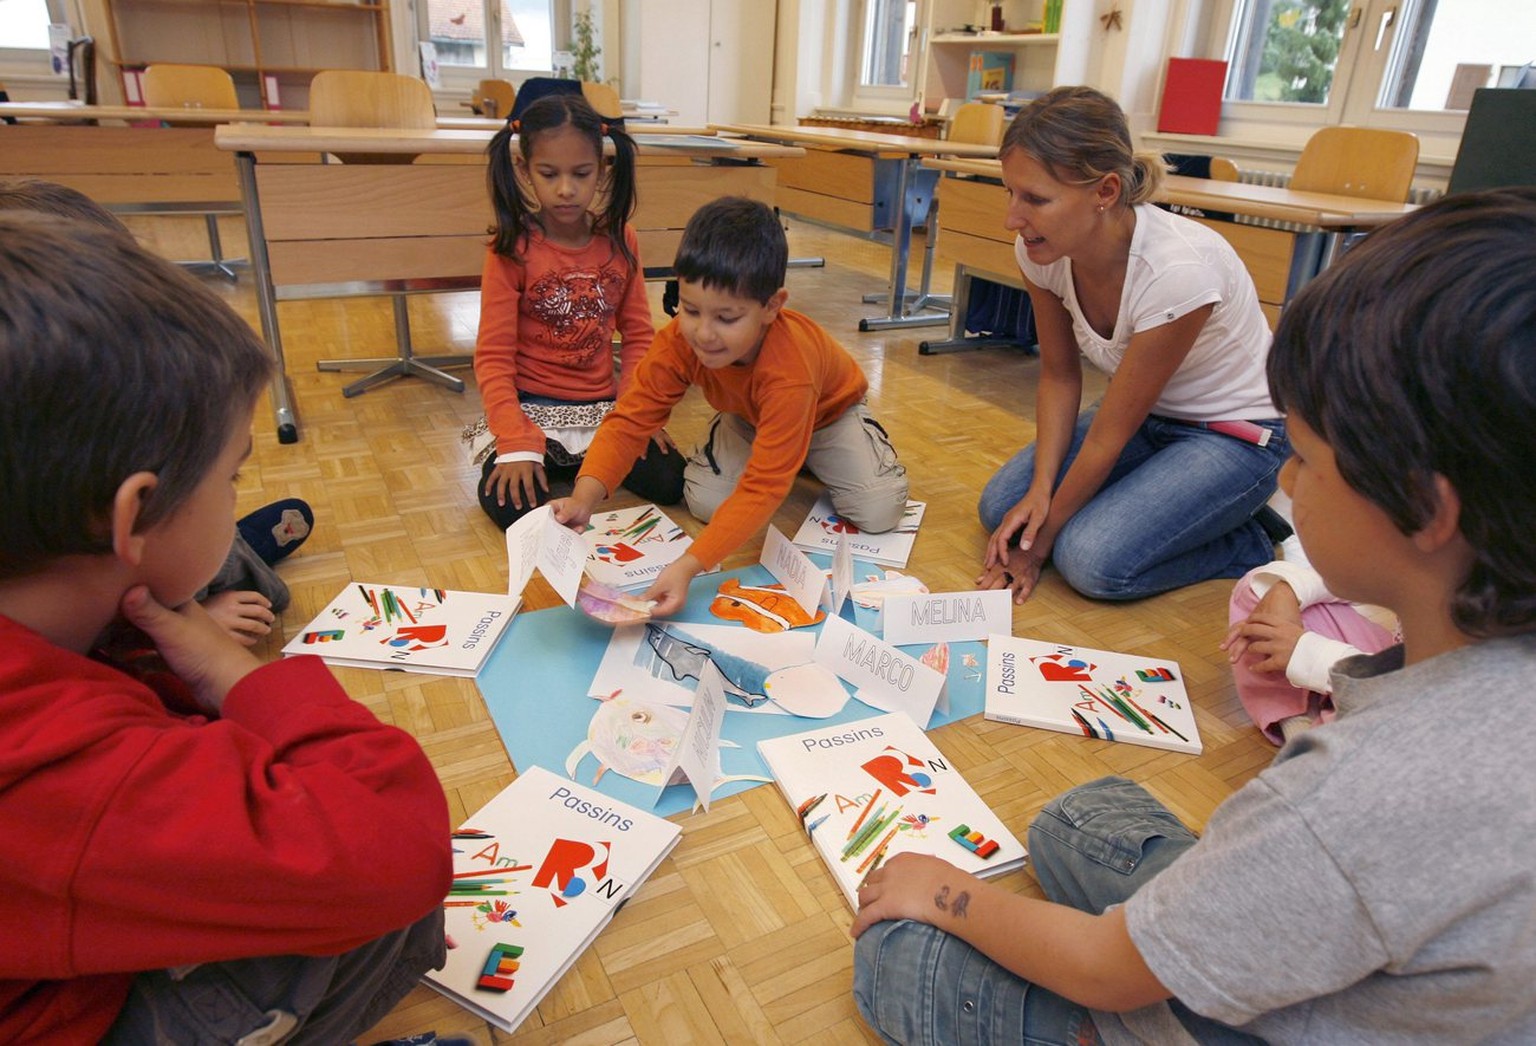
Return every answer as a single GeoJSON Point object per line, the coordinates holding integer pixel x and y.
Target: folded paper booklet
{"type": "Point", "coordinates": [823, 527]}
{"type": "Point", "coordinates": [369, 625]}
{"type": "Point", "coordinates": [630, 546]}
{"type": "Point", "coordinates": [538, 872]}
{"type": "Point", "coordinates": [868, 790]}
{"type": "Point", "coordinates": [1097, 693]}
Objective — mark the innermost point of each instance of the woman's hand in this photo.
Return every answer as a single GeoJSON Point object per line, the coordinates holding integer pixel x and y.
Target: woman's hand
{"type": "Point", "coordinates": [1019, 573]}
{"type": "Point", "coordinates": [1025, 520]}
{"type": "Point", "coordinates": [516, 480]}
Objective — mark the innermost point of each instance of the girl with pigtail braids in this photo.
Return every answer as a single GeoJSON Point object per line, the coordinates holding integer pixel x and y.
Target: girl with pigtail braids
{"type": "Point", "coordinates": [562, 275]}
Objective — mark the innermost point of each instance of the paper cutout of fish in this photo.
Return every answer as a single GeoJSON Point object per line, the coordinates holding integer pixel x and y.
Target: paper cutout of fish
{"type": "Point", "coordinates": [762, 608]}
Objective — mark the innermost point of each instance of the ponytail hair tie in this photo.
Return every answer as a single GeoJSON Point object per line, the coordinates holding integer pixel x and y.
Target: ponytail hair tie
{"type": "Point", "coordinates": [603, 127]}
{"type": "Point", "coordinates": [516, 125]}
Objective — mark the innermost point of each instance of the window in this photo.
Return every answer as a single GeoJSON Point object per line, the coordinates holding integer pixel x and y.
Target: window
{"type": "Point", "coordinates": [1408, 64]}
{"type": "Point", "coordinates": [889, 53]}
{"type": "Point", "coordinates": [24, 24]}
{"type": "Point", "coordinates": [481, 39]}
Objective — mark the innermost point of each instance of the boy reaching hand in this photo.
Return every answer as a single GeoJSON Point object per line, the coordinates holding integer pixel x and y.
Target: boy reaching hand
{"type": "Point", "coordinates": [225, 851]}
{"type": "Point", "coordinates": [1375, 882]}
{"type": "Point", "coordinates": [787, 397]}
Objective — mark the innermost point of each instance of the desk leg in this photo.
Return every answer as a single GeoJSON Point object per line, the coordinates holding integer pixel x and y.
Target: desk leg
{"type": "Point", "coordinates": [901, 250]}
{"type": "Point", "coordinates": [958, 340]}
{"type": "Point", "coordinates": [266, 299]}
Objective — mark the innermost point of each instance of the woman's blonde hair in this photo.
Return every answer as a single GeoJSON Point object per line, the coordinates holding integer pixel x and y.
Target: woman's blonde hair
{"type": "Point", "coordinates": [1081, 135]}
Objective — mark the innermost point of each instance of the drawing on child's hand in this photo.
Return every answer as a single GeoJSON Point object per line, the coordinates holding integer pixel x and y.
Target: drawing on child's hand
{"type": "Point", "coordinates": [762, 608]}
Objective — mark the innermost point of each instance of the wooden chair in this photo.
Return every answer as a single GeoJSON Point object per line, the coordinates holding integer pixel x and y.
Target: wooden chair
{"type": "Point", "coordinates": [1224, 170]}
{"type": "Point", "coordinates": [191, 86]}
{"type": "Point", "coordinates": [195, 87]}
{"type": "Point", "coordinates": [353, 98]}
{"type": "Point", "coordinates": [1358, 161]}
{"type": "Point", "coordinates": [603, 99]}
{"type": "Point", "coordinates": [977, 123]}
{"type": "Point", "coordinates": [495, 98]}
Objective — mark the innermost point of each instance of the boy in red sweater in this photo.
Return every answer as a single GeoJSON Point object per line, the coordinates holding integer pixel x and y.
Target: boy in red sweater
{"type": "Point", "coordinates": [787, 397]}
{"type": "Point", "coordinates": [197, 847]}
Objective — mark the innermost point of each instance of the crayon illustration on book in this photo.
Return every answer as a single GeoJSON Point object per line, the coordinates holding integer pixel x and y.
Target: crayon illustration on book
{"type": "Point", "coordinates": [867, 790]}
{"type": "Point", "coordinates": [823, 527]}
{"type": "Point", "coordinates": [1096, 693]}
{"type": "Point", "coordinates": [631, 546]}
{"type": "Point", "coordinates": [407, 627]}
{"type": "Point", "coordinates": [538, 872]}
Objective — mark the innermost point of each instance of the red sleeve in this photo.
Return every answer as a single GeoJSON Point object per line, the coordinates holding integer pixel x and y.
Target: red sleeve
{"type": "Point", "coordinates": [496, 351]}
{"type": "Point", "coordinates": [636, 329]}
{"type": "Point", "coordinates": [296, 823]}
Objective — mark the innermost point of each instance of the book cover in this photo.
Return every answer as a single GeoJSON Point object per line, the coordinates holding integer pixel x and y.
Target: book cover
{"type": "Point", "coordinates": [868, 790]}
{"type": "Point", "coordinates": [989, 71]}
{"type": "Point", "coordinates": [630, 546]}
{"type": "Point", "coordinates": [369, 625]}
{"type": "Point", "coordinates": [538, 872]}
{"type": "Point", "coordinates": [1096, 693]}
{"type": "Point", "coordinates": [821, 529]}
{"type": "Point", "coordinates": [1192, 96]}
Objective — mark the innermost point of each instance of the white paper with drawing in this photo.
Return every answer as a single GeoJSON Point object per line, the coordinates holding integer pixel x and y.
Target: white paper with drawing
{"type": "Point", "coordinates": [823, 527]}
{"type": "Point", "coordinates": [537, 540]}
{"type": "Point", "coordinates": [660, 662]}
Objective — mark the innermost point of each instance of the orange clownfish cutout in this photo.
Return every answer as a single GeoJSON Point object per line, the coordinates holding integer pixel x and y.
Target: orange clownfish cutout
{"type": "Point", "coordinates": [762, 608]}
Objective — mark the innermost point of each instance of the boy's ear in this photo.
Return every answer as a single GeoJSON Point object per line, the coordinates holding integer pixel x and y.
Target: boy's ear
{"type": "Point", "coordinates": [127, 506]}
{"type": "Point", "coordinates": [776, 302]}
{"type": "Point", "coordinates": [1444, 525]}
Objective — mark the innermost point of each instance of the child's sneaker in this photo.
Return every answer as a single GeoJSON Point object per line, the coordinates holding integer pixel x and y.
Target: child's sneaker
{"type": "Point", "coordinates": [276, 531]}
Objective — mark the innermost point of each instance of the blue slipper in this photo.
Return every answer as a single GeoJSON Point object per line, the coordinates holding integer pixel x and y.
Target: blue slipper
{"type": "Point", "coordinates": [276, 531]}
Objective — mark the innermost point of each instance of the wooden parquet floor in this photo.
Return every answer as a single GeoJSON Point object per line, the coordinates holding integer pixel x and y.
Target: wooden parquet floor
{"type": "Point", "coordinates": [739, 936]}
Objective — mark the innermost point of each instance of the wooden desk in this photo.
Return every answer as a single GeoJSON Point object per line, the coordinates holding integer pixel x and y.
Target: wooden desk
{"type": "Point", "coordinates": [76, 111]}
{"type": "Point", "coordinates": [338, 230]}
{"type": "Point", "coordinates": [838, 155]}
{"type": "Point", "coordinates": [1281, 261]}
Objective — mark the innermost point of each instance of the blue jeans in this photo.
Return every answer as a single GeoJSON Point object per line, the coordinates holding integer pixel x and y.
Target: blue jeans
{"type": "Point", "coordinates": [1091, 847]}
{"type": "Point", "coordinates": [1177, 508]}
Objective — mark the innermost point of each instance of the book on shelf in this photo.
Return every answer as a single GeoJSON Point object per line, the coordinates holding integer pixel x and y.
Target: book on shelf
{"type": "Point", "coordinates": [823, 527]}
{"type": "Point", "coordinates": [537, 873]}
{"type": "Point", "coordinates": [868, 790]}
{"type": "Point", "coordinates": [369, 625]}
{"type": "Point", "coordinates": [1096, 693]}
{"type": "Point", "coordinates": [630, 546]}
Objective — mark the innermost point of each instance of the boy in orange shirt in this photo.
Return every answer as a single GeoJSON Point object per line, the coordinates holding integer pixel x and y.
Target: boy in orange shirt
{"type": "Point", "coordinates": [787, 395]}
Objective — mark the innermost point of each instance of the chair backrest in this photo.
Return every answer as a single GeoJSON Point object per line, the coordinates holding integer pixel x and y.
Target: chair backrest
{"type": "Point", "coordinates": [1224, 170]}
{"type": "Point", "coordinates": [495, 98]}
{"type": "Point", "coordinates": [603, 99]}
{"type": "Point", "coordinates": [977, 123]}
{"type": "Point", "coordinates": [194, 86]}
{"type": "Point", "coordinates": [536, 87]}
{"type": "Point", "coordinates": [356, 98]}
{"type": "Point", "coordinates": [1358, 161]}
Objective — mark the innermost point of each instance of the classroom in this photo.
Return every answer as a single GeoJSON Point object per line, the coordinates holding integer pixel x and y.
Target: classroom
{"type": "Point", "coordinates": [873, 128]}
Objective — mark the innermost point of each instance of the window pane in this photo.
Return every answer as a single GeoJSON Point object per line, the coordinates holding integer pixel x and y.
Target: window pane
{"type": "Point", "coordinates": [24, 23]}
{"type": "Point", "coordinates": [531, 45]}
{"type": "Point", "coordinates": [458, 30]}
{"type": "Point", "coordinates": [1446, 50]}
{"type": "Point", "coordinates": [888, 38]}
{"type": "Point", "coordinates": [1286, 50]}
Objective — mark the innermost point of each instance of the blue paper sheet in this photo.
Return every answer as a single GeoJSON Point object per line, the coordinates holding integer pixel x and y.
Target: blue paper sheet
{"type": "Point", "coordinates": [536, 682]}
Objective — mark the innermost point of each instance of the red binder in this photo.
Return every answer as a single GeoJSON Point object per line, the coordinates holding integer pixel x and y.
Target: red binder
{"type": "Point", "coordinates": [1192, 96]}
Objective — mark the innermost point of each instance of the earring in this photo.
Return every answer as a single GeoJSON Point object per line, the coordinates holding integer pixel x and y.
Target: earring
{"type": "Point", "coordinates": [1101, 208]}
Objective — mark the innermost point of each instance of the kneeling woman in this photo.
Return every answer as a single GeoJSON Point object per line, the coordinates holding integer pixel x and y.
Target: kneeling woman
{"type": "Point", "coordinates": [1163, 483]}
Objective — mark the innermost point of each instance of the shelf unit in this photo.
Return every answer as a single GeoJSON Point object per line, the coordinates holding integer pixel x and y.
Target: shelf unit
{"type": "Point", "coordinates": [1040, 60]}
{"type": "Point", "coordinates": [289, 39]}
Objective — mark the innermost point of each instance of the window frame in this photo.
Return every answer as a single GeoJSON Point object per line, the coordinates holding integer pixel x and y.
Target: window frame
{"type": "Point", "coordinates": [888, 99]}
{"type": "Point", "coordinates": [459, 78]}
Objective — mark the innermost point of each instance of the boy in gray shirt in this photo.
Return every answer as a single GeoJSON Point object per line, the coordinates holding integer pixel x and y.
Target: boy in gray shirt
{"type": "Point", "coordinates": [1394, 849]}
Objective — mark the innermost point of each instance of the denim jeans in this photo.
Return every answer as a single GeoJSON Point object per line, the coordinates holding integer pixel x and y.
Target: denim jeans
{"type": "Point", "coordinates": [1091, 847]}
{"type": "Point", "coordinates": [1176, 508]}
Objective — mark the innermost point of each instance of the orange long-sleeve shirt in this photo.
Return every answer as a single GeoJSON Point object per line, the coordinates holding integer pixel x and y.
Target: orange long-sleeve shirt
{"type": "Point", "coordinates": [800, 381]}
{"type": "Point", "coordinates": [546, 327]}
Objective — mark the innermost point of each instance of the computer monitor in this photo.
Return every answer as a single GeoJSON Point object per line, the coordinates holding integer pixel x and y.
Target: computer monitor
{"type": "Point", "coordinates": [1497, 145]}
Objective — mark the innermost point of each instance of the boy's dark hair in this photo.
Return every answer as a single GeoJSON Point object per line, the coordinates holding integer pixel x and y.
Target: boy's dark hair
{"type": "Point", "coordinates": [1414, 356]}
{"type": "Point", "coordinates": [514, 217]}
{"type": "Point", "coordinates": [112, 362]}
{"type": "Point", "coordinates": [736, 245]}
{"type": "Point", "coordinates": [34, 194]}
